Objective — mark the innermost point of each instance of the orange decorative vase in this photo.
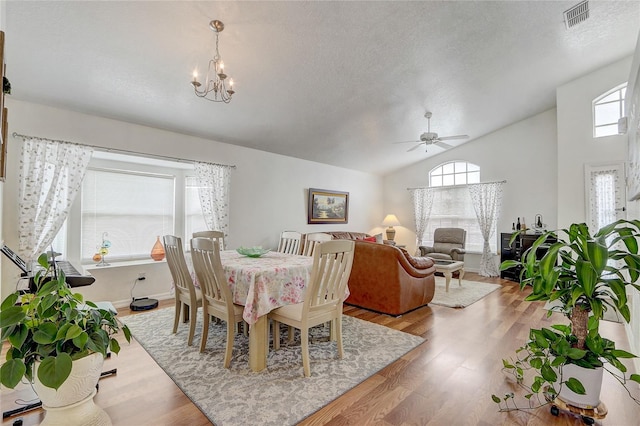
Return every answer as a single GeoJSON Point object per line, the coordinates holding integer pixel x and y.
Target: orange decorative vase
{"type": "Point", "coordinates": [157, 252]}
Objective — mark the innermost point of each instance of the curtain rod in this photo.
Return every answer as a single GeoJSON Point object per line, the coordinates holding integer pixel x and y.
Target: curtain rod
{"type": "Point", "coordinates": [454, 186]}
{"type": "Point", "coordinates": [123, 151]}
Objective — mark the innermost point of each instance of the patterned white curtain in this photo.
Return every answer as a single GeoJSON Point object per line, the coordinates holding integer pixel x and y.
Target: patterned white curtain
{"type": "Point", "coordinates": [51, 174]}
{"type": "Point", "coordinates": [604, 191]}
{"type": "Point", "coordinates": [487, 200]}
{"type": "Point", "coordinates": [214, 182]}
{"type": "Point", "coordinates": [422, 202]}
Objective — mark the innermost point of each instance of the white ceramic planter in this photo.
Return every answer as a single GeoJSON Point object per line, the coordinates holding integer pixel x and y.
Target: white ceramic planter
{"type": "Point", "coordinates": [72, 404]}
{"type": "Point", "coordinates": [591, 379]}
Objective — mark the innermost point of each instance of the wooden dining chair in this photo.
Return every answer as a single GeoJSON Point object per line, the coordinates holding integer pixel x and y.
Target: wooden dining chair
{"type": "Point", "coordinates": [312, 240]}
{"type": "Point", "coordinates": [323, 297]}
{"type": "Point", "coordinates": [290, 242]}
{"type": "Point", "coordinates": [217, 297]}
{"type": "Point", "coordinates": [188, 297]}
{"type": "Point", "coordinates": [216, 235]}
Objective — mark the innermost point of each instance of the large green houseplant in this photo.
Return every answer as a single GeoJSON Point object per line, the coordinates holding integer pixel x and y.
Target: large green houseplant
{"type": "Point", "coordinates": [581, 276]}
{"type": "Point", "coordinates": [53, 327]}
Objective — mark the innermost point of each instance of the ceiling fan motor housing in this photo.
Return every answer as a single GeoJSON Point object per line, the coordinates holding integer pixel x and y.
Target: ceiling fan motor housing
{"type": "Point", "coordinates": [428, 136]}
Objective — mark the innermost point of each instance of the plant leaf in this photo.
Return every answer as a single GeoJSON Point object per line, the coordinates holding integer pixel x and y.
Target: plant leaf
{"type": "Point", "coordinates": [11, 372]}
{"type": "Point", "coordinates": [11, 316]}
{"type": "Point", "coordinates": [575, 385]}
{"type": "Point", "coordinates": [53, 371]}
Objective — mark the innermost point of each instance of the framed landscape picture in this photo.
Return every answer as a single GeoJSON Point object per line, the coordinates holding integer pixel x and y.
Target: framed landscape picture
{"type": "Point", "coordinates": [328, 206]}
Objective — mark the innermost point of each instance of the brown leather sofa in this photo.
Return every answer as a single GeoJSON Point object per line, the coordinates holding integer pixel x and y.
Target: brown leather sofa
{"type": "Point", "coordinates": [387, 279]}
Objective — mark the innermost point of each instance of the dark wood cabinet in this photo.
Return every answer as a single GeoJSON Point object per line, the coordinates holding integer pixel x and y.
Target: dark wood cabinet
{"type": "Point", "coordinates": [516, 250]}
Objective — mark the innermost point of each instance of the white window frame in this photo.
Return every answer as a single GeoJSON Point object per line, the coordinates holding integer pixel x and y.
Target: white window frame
{"type": "Point", "coordinates": [618, 102]}
{"type": "Point", "coordinates": [131, 163]}
{"type": "Point", "coordinates": [454, 169]}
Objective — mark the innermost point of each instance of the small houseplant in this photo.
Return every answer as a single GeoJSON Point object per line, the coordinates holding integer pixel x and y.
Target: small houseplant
{"type": "Point", "coordinates": [582, 276]}
{"type": "Point", "coordinates": [50, 330]}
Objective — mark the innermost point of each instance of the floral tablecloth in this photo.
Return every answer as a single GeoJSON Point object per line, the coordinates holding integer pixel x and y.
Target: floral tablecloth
{"type": "Point", "coordinates": [264, 283]}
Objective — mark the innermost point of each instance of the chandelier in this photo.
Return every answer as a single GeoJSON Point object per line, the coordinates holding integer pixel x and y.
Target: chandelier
{"type": "Point", "coordinates": [214, 87]}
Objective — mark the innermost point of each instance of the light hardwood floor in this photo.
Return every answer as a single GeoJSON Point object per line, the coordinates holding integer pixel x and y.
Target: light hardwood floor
{"type": "Point", "coordinates": [448, 380]}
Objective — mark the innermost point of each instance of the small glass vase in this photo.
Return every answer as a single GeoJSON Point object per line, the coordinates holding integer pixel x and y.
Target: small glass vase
{"type": "Point", "coordinates": [157, 252]}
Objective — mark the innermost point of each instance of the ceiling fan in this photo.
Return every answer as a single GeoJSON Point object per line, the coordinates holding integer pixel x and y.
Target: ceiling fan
{"type": "Point", "coordinates": [431, 138]}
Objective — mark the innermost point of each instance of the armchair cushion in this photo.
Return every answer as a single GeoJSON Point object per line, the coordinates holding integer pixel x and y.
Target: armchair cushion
{"type": "Point", "coordinates": [448, 244]}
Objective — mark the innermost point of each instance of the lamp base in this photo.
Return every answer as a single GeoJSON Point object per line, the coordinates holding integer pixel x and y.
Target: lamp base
{"type": "Point", "coordinates": [391, 233]}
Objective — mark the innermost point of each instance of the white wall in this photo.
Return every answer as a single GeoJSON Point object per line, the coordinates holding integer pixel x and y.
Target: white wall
{"type": "Point", "coordinates": [523, 154]}
{"type": "Point", "coordinates": [268, 191]}
{"type": "Point", "coordinates": [576, 144]}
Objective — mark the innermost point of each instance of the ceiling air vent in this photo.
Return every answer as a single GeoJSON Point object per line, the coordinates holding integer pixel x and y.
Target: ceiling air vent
{"type": "Point", "coordinates": [575, 15]}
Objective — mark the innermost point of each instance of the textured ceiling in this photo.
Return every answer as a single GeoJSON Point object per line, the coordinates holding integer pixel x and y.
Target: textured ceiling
{"type": "Point", "coordinates": [332, 82]}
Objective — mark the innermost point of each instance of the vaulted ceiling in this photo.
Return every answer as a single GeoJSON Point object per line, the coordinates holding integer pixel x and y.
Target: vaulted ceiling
{"type": "Point", "coordinates": [334, 82]}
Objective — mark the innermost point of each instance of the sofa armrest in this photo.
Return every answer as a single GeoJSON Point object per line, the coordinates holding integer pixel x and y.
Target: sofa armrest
{"type": "Point", "coordinates": [458, 250]}
{"type": "Point", "coordinates": [416, 266]}
{"type": "Point", "coordinates": [424, 250]}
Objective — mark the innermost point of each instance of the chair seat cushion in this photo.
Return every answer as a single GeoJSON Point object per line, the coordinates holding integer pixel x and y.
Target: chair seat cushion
{"type": "Point", "coordinates": [440, 256]}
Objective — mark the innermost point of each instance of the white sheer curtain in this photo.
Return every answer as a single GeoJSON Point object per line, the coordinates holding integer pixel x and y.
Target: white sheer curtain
{"type": "Point", "coordinates": [487, 200]}
{"type": "Point", "coordinates": [51, 174]}
{"type": "Point", "coordinates": [214, 182]}
{"type": "Point", "coordinates": [604, 191]}
{"type": "Point", "coordinates": [422, 202]}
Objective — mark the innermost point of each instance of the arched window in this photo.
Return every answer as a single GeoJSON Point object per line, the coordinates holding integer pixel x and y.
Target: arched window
{"type": "Point", "coordinates": [452, 206]}
{"type": "Point", "coordinates": [608, 108]}
{"type": "Point", "coordinates": [454, 173]}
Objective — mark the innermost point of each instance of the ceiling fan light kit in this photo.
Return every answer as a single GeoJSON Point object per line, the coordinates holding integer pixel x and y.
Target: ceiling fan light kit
{"type": "Point", "coordinates": [215, 83]}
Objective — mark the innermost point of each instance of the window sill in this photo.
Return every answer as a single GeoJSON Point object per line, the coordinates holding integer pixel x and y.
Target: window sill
{"type": "Point", "coordinates": [121, 264]}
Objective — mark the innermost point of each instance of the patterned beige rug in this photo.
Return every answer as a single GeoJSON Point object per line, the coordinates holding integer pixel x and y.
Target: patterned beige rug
{"type": "Point", "coordinates": [280, 395]}
{"type": "Point", "coordinates": [460, 296]}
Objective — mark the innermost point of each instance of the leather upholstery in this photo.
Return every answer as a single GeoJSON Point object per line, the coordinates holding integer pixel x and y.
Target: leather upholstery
{"type": "Point", "coordinates": [387, 279]}
{"type": "Point", "coordinates": [448, 244]}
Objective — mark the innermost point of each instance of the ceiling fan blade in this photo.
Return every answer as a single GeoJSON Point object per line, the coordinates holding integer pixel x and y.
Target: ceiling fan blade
{"type": "Point", "coordinates": [452, 138]}
{"type": "Point", "coordinates": [415, 147]}
{"type": "Point", "coordinates": [443, 145]}
{"type": "Point", "coordinates": [413, 141]}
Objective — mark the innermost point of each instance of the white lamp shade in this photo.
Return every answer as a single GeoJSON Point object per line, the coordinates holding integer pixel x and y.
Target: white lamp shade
{"type": "Point", "coordinates": [390, 220]}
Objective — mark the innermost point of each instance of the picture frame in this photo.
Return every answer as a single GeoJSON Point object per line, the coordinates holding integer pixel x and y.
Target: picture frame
{"type": "Point", "coordinates": [327, 206]}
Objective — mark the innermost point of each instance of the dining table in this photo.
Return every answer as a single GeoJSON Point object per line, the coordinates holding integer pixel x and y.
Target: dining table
{"type": "Point", "coordinates": [262, 284]}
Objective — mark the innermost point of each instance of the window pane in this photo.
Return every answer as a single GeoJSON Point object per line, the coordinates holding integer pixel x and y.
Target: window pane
{"type": "Point", "coordinates": [609, 130]}
{"type": "Point", "coordinates": [460, 167]}
{"type": "Point", "coordinates": [473, 167]}
{"type": "Point", "coordinates": [437, 171]}
{"type": "Point", "coordinates": [615, 96]}
{"type": "Point", "coordinates": [473, 177]}
{"type": "Point", "coordinates": [447, 180]}
{"type": "Point", "coordinates": [607, 113]}
{"type": "Point", "coordinates": [460, 178]}
{"type": "Point", "coordinates": [194, 219]}
{"type": "Point", "coordinates": [447, 168]}
{"type": "Point", "coordinates": [436, 180]}
{"type": "Point", "coordinates": [133, 209]}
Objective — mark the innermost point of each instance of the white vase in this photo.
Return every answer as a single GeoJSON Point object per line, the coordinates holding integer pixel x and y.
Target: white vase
{"type": "Point", "coordinates": [591, 380]}
{"type": "Point", "coordinates": [72, 404]}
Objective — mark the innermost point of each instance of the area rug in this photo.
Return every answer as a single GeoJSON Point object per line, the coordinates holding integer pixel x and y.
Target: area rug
{"type": "Point", "coordinates": [279, 395]}
{"type": "Point", "coordinates": [460, 296]}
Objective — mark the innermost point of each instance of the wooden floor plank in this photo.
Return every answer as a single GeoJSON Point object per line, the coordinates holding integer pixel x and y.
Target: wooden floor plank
{"type": "Point", "coordinates": [448, 380]}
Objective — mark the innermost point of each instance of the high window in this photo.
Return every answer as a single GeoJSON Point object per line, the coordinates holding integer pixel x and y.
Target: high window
{"type": "Point", "coordinates": [452, 206]}
{"type": "Point", "coordinates": [608, 108]}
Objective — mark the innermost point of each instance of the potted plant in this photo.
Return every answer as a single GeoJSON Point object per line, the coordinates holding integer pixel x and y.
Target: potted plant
{"type": "Point", "coordinates": [52, 334]}
{"type": "Point", "coordinates": [581, 276]}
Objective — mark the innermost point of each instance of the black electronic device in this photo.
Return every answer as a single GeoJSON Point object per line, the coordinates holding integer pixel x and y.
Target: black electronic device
{"type": "Point", "coordinates": [71, 274]}
{"type": "Point", "coordinates": [143, 304]}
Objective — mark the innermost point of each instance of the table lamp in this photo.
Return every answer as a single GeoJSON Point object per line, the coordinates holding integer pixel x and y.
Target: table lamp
{"type": "Point", "coordinates": [390, 220]}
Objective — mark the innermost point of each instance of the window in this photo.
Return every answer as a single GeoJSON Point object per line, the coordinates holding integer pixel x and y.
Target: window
{"type": "Point", "coordinates": [607, 110]}
{"type": "Point", "coordinates": [454, 173]}
{"type": "Point", "coordinates": [133, 208]}
{"type": "Point", "coordinates": [194, 219]}
{"type": "Point", "coordinates": [452, 206]}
